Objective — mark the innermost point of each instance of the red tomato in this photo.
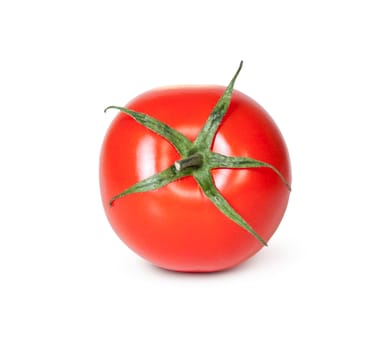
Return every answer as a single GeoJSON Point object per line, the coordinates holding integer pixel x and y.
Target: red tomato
{"type": "Point", "coordinates": [176, 226]}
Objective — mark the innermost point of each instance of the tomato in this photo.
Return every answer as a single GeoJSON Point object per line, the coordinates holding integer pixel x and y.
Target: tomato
{"type": "Point", "coordinates": [176, 226]}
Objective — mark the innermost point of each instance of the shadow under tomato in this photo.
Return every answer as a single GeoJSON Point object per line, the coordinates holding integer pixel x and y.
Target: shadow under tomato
{"type": "Point", "coordinates": [265, 259]}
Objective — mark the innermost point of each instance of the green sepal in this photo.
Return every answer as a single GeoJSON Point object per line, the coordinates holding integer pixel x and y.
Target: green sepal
{"type": "Point", "coordinates": [205, 180]}
{"type": "Point", "coordinates": [154, 182]}
{"type": "Point", "coordinates": [216, 160]}
{"type": "Point", "coordinates": [205, 138]}
{"type": "Point", "coordinates": [181, 143]}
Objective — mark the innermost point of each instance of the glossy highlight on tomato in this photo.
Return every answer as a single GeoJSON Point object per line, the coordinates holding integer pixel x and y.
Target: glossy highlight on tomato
{"type": "Point", "coordinates": [176, 226]}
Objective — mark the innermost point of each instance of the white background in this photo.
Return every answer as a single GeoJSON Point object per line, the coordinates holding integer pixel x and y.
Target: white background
{"type": "Point", "coordinates": [67, 281]}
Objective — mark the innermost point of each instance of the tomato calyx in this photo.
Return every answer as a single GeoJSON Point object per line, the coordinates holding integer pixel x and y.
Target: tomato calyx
{"type": "Point", "coordinates": [197, 158]}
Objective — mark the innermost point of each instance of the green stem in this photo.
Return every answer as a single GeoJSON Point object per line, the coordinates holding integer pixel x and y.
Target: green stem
{"type": "Point", "coordinates": [194, 161]}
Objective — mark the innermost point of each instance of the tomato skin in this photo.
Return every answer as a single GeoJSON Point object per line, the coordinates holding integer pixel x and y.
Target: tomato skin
{"type": "Point", "coordinates": [176, 227]}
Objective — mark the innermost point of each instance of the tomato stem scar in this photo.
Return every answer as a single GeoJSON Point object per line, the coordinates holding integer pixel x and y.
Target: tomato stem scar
{"type": "Point", "coordinates": [193, 161]}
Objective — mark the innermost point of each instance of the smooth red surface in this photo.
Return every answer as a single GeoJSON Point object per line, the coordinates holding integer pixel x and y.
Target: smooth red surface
{"type": "Point", "coordinates": [177, 227]}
